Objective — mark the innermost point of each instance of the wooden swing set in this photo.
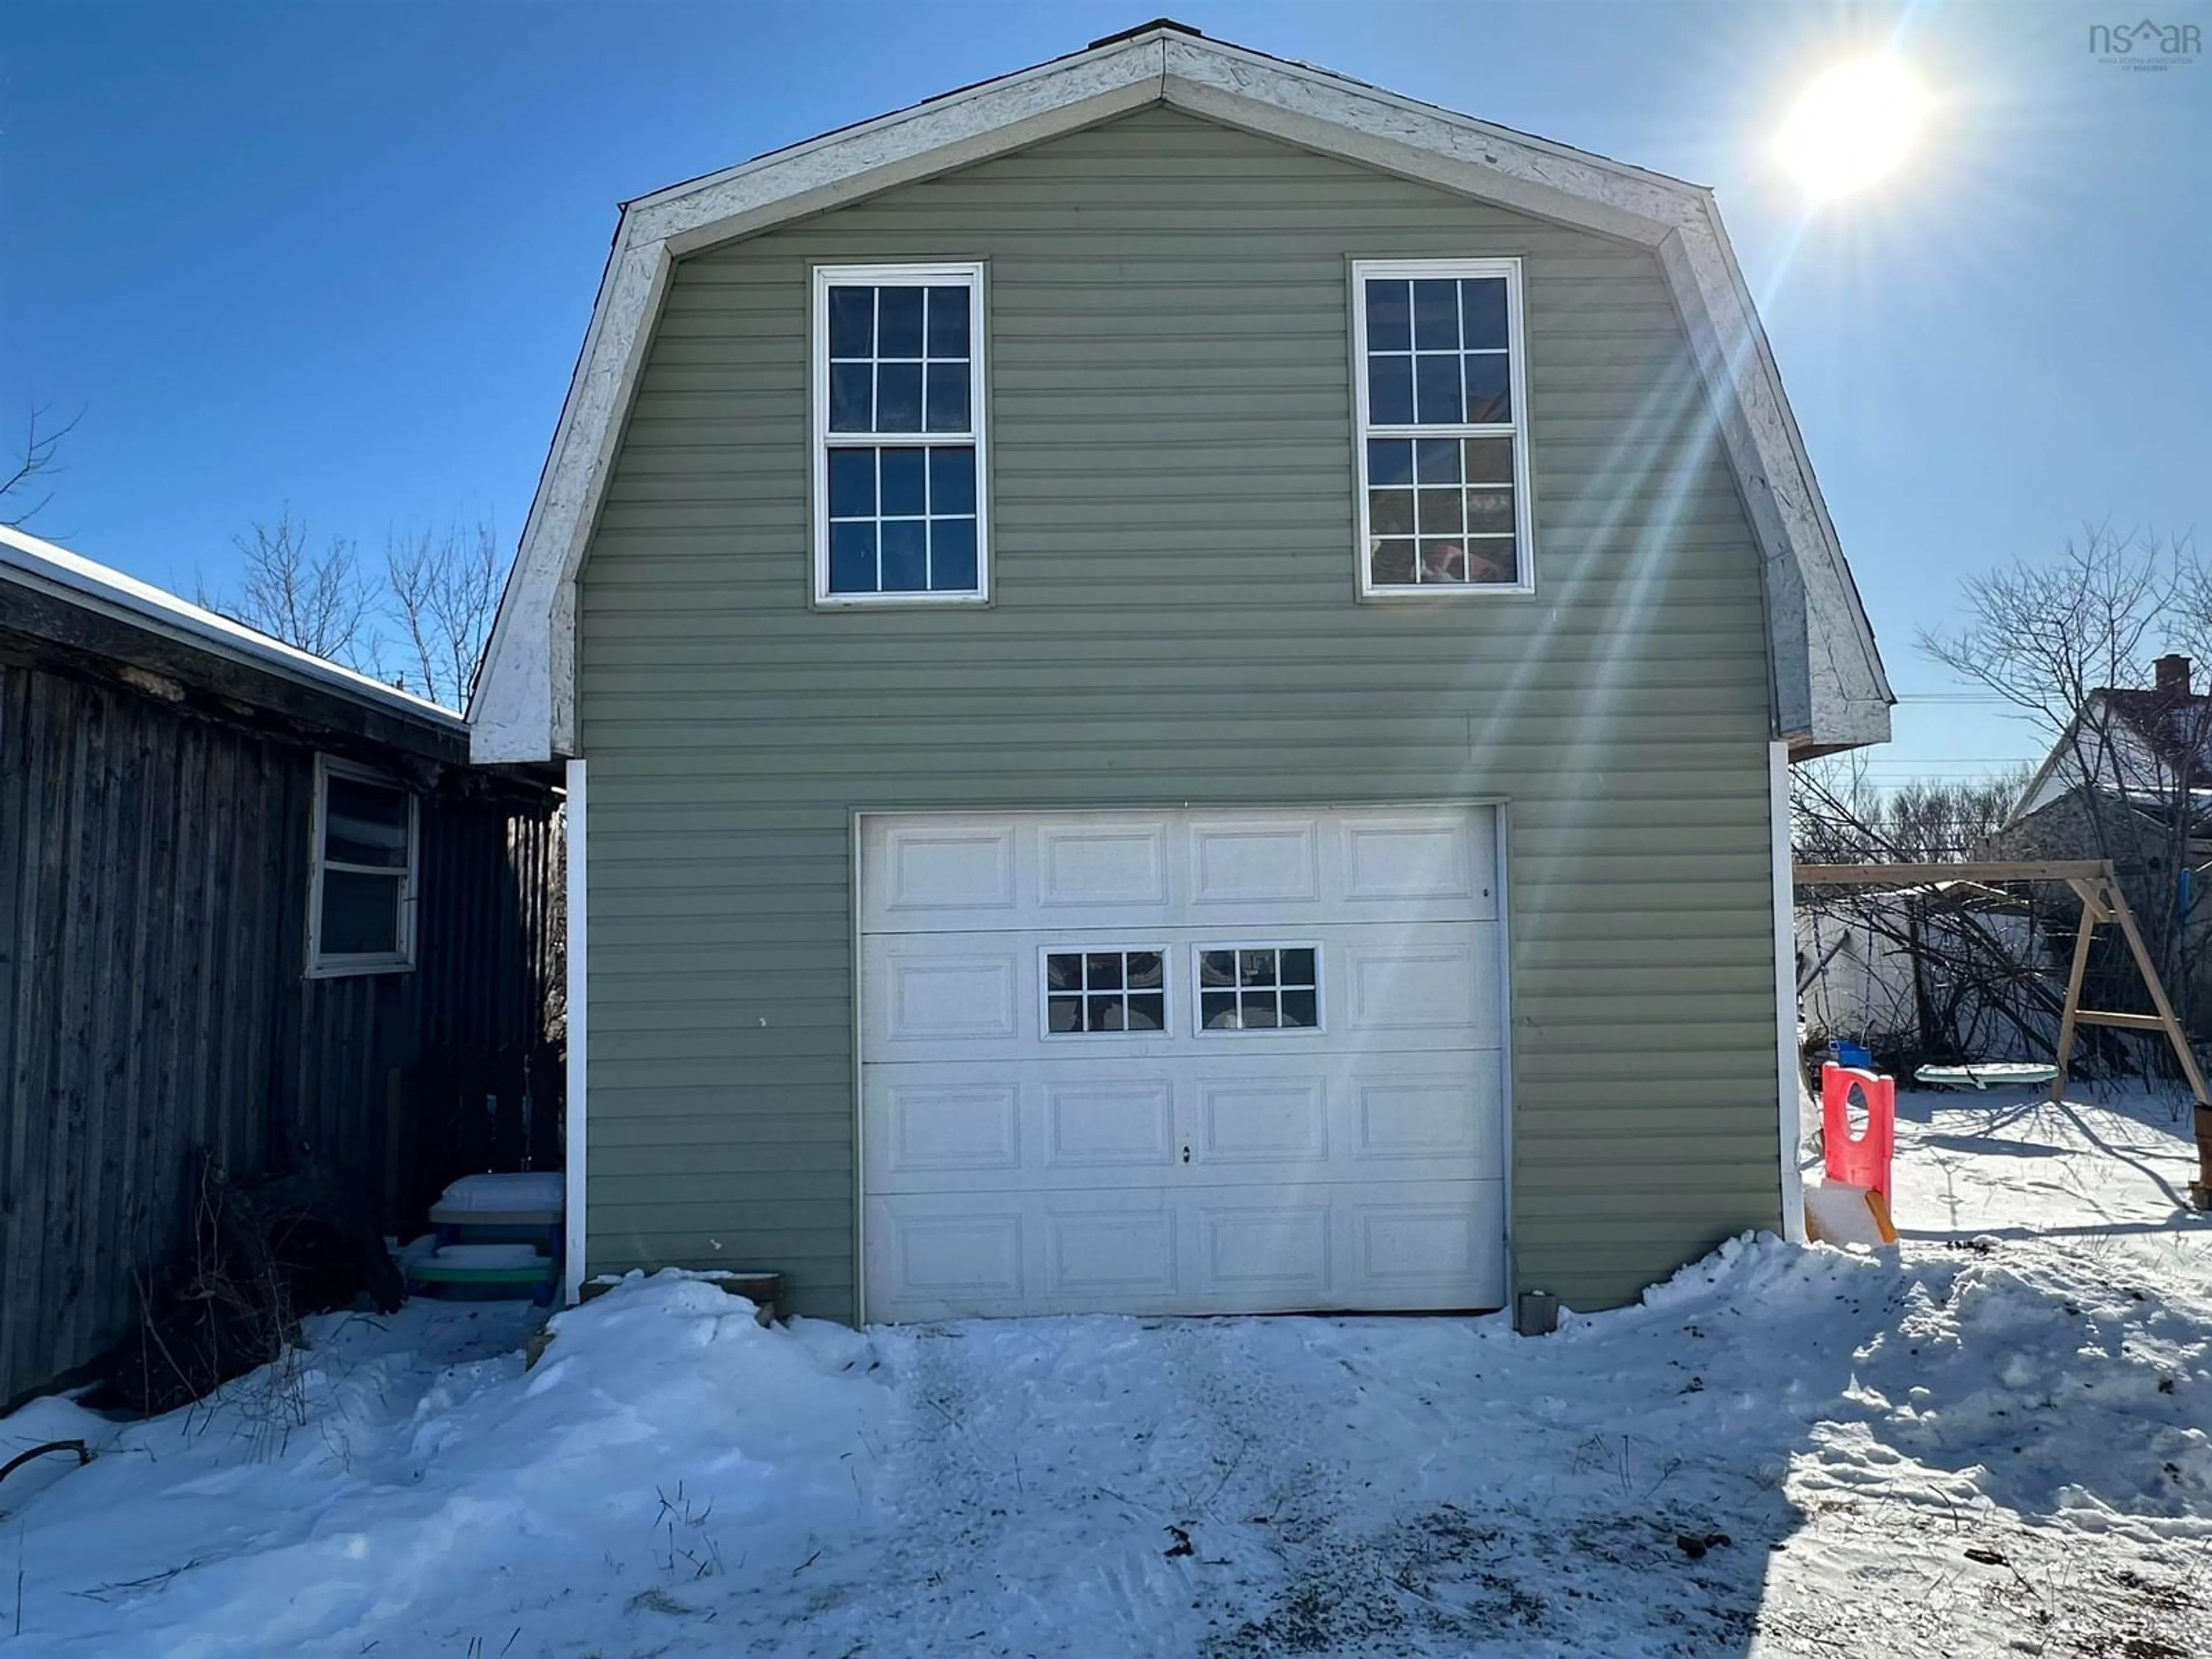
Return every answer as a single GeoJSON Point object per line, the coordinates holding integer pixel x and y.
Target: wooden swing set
{"type": "Point", "coordinates": [2098, 887]}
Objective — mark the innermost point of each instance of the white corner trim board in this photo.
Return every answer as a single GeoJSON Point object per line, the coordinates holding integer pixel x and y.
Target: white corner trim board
{"type": "Point", "coordinates": [1830, 689]}
{"type": "Point", "coordinates": [1788, 1131]}
{"type": "Point", "coordinates": [576, 1138]}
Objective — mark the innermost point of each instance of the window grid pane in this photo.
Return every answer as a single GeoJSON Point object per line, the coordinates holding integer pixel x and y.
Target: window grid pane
{"type": "Point", "coordinates": [903, 518]}
{"type": "Point", "coordinates": [899, 358]}
{"type": "Point", "coordinates": [1263, 988]}
{"type": "Point", "coordinates": [1120, 992]}
{"type": "Point", "coordinates": [1451, 367]}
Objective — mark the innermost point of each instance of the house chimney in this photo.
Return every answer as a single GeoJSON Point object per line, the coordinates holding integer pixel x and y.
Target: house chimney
{"type": "Point", "coordinates": [2172, 676]}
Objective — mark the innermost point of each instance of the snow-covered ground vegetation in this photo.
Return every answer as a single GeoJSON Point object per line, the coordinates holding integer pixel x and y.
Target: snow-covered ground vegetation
{"type": "Point", "coordinates": [1992, 1441]}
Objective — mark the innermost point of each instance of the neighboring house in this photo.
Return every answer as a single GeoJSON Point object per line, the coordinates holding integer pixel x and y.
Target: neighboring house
{"type": "Point", "coordinates": [2131, 771]}
{"type": "Point", "coordinates": [1177, 675]}
{"type": "Point", "coordinates": [2130, 780]}
{"type": "Point", "coordinates": [250, 902]}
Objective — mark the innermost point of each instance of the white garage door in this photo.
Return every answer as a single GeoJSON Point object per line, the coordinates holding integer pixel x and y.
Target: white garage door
{"type": "Point", "coordinates": [1193, 1062]}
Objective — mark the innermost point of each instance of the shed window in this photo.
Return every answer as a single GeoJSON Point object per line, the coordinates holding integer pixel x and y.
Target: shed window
{"type": "Point", "coordinates": [1443, 463]}
{"type": "Point", "coordinates": [361, 912]}
{"type": "Point", "coordinates": [898, 421]}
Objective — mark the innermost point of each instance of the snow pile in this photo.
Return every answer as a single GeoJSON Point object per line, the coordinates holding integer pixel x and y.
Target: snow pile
{"type": "Point", "coordinates": [1991, 1441]}
{"type": "Point", "coordinates": [392, 1496]}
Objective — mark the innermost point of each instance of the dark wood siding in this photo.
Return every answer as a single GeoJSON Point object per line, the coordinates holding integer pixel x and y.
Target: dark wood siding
{"type": "Point", "coordinates": [153, 876]}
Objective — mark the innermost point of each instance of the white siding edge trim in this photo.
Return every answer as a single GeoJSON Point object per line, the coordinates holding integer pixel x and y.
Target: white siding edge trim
{"type": "Point", "coordinates": [576, 1137]}
{"type": "Point", "coordinates": [1785, 991]}
{"type": "Point", "coordinates": [856, 844]}
{"type": "Point", "coordinates": [1830, 690]}
{"type": "Point", "coordinates": [1508, 1107]}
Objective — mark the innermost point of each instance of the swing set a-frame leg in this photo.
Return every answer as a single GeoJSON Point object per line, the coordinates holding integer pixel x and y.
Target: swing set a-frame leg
{"type": "Point", "coordinates": [2091, 913]}
{"type": "Point", "coordinates": [2103, 901]}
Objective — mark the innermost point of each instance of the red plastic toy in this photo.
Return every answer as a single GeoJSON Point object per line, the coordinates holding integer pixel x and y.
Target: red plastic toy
{"type": "Point", "coordinates": [1863, 1161]}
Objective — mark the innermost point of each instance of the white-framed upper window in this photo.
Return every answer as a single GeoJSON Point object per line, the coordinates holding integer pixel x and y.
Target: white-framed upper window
{"type": "Point", "coordinates": [361, 900]}
{"type": "Point", "coordinates": [900, 499]}
{"type": "Point", "coordinates": [1258, 988]}
{"type": "Point", "coordinates": [1443, 407]}
{"type": "Point", "coordinates": [1105, 989]}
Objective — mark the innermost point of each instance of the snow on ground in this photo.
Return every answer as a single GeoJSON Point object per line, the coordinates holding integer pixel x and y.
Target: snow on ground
{"type": "Point", "coordinates": [1992, 1441]}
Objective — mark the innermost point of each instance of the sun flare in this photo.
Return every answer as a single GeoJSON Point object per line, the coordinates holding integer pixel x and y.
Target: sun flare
{"type": "Point", "coordinates": [1853, 125]}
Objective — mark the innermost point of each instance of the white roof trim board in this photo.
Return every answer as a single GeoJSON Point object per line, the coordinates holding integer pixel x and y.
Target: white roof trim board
{"type": "Point", "coordinates": [1830, 689]}
{"type": "Point", "coordinates": [42, 565]}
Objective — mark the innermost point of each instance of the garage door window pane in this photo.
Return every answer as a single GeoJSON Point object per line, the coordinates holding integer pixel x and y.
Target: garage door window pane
{"type": "Point", "coordinates": [1104, 991]}
{"type": "Point", "coordinates": [1259, 989]}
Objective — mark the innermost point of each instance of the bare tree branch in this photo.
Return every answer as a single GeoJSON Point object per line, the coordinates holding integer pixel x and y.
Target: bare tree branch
{"type": "Point", "coordinates": [42, 441]}
{"type": "Point", "coordinates": [419, 623]}
{"type": "Point", "coordinates": [2043, 636]}
{"type": "Point", "coordinates": [319, 602]}
{"type": "Point", "coordinates": [443, 589]}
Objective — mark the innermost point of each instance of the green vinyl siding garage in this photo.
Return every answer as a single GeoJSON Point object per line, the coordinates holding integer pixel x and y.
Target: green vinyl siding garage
{"type": "Point", "coordinates": [1174, 629]}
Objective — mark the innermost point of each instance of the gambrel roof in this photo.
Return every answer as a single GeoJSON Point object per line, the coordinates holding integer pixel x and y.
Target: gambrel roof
{"type": "Point", "coordinates": [1830, 691]}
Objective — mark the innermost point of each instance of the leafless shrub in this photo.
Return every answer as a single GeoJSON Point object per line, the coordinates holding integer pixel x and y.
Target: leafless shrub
{"type": "Point", "coordinates": [229, 1303]}
{"type": "Point", "coordinates": [223, 1311]}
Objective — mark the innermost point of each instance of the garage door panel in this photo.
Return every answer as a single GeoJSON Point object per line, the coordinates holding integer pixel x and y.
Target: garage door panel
{"type": "Point", "coordinates": [1023, 1152]}
{"type": "Point", "coordinates": [1430, 858]}
{"type": "Point", "coordinates": [952, 996]}
{"type": "Point", "coordinates": [1115, 865]}
{"type": "Point", "coordinates": [944, 871]}
{"type": "Point", "coordinates": [947, 1127]}
{"type": "Point", "coordinates": [1437, 983]}
{"type": "Point", "coordinates": [1094, 1124]}
{"type": "Point", "coordinates": [957, 873]}
{"type": "Point", "coordinates": [948, 1254]}
{"type": "Point", "coordinates": [1420, 1240]}
{"type": "Point", "coordinates": [1441, 1118]}
{"type": "Point", "coordinates": [1110, 1251]}
{"type": "Point", "coordinates": [951, 1127]}
{"type": "Point", "coordinates": [1262, 1248]}
{"type": "Point", "coordinates": [1424, 1245]}
{"type": "Point", "coordinates": [1242, 1118]}
{"type": "Point", "coordinates": [1243, 862]}
{"type": "Point", "coordinates": [1385, 985]}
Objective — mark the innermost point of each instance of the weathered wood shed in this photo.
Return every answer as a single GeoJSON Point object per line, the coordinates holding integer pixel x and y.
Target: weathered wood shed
{"type": "Point", "coordinates": [251, 902]}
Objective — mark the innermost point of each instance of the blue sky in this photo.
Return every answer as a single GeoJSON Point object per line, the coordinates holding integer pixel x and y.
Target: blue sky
{"type": "Point", "coordinates": [341, 256]}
